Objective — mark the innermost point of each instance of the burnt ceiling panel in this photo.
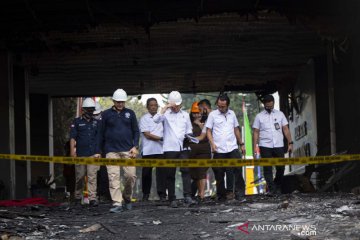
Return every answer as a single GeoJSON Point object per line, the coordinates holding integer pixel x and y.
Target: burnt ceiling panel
{"type": "Point", "coordinates": [91, 47]}
{"type": "Point", "coordinates": [215, 53]}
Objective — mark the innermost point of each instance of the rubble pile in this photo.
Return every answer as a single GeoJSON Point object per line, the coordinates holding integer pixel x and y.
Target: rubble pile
{"type": "Point", "coordinates": [294, 216]}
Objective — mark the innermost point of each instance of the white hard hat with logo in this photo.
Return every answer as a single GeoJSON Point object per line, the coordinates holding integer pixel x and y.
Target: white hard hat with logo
{"type": "Point", "coordinates": [98, 108]}
{"type": "Point", "coordinates": [119, 95]}
{"type": "Point", "coordinates": [88, 103]}
{"type": "Point", "coordinates": [175, 97]}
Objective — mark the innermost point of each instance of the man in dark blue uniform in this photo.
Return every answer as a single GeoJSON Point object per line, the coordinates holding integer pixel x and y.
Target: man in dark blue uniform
{"type": "Point", "coordinates": [83, 143]}
{"type": "Point", "coordinates": [120, 136]}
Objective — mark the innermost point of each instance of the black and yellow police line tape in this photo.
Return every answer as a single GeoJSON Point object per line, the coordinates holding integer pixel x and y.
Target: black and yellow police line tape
{"type": "Point", "coordinates": [185, 162]}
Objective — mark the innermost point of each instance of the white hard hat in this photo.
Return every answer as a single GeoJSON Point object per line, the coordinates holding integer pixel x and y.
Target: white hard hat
{"type": "Point", "coordinates": [88, 103]}
{"type": "Point", "coordinates": [175, 97]}
{"type": "Point", "coordinates": [98, 108]}
{"type": "Point", "coordinates": [119, 95]}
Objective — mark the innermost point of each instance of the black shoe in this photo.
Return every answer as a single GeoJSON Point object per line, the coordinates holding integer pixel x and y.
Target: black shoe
{"type": "Point", "coordinates": [230, 196]}
{"type": "Point", "coordinates": [173, 204]}
{"type": "Point", "coordinates": [77, 202]}
{"type": "Point", "coordinates": [239, 195]}
{"type": "Point", "coordinates": [145, 197]}
{"type": "Point", "coordinates": [222, 199]}
{"type": "Point", "coordinates": [94, 203]}
{"type": "Point", "coordinates": [189, 201]}
{"type": "Point", "coordinates": [273, 191]}
{"type": "Point", "coordinates": [200, 200]}
{"type": "Point", "coordinates": [163, 199]}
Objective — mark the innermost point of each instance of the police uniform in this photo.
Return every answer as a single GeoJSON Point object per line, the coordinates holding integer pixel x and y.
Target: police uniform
{"type": "Point", "coordinates": [85, 133]}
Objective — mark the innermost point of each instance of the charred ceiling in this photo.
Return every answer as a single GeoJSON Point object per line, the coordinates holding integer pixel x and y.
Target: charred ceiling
{"type": "Point", "coordinates": [91, 47]}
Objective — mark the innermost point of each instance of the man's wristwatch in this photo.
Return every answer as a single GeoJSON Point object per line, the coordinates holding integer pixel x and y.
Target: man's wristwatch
{"type": "Point", "coordinates": [290, 143]}
{"type": "Point", "coordinates": [242, 144]}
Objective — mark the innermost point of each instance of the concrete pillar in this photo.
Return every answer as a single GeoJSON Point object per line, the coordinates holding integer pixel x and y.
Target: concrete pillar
{"type": "Point", "coordinates": [331, 94]}
{"type": "Point", "coordinates": [51, 140]}
{"type": "Point", "coordinates": [21, 143]}
{"type": "Point", "coordinates": [7, 140]}
{"type": "Point", "coordinates": [39, 136]}
{"type": "Point", "coordinates": [322, 105]}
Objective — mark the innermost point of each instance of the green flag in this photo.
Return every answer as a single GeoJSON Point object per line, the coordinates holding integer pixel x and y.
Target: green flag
{"type": "Point", "coordinates": [248, 135]}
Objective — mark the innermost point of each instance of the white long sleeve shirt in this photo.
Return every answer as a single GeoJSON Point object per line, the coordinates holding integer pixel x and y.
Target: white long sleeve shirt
{"type": "Point", "coordinates": [176, 125]}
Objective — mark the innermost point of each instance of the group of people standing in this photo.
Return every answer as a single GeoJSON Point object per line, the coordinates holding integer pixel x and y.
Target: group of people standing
{"type": "Point", "coordinates": [169, 134]}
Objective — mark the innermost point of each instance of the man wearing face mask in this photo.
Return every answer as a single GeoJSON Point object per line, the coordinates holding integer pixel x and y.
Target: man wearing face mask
{"type": "Point", "coordinates": [205, 108]}
{"type": "Point", "coordinates": [269, 128]}
{"type": "Point", "coordinates": [83, 143]}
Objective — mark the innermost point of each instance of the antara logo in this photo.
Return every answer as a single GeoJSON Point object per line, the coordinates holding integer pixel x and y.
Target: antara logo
{"type": "Point", "coordinates": [244, 228]}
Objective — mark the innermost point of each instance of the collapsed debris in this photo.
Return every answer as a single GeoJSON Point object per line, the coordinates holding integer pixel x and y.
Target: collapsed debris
{"type": "Point", "coordinates": [283, 216]}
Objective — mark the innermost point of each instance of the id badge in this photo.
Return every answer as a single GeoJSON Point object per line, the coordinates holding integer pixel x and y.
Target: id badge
{"type": "Point", "coordinates": [277, 126]}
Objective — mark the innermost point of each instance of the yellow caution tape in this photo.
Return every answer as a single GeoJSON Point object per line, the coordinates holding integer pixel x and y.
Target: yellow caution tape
{"type": "Point", "coordinates": [185, 162]}
{"type": "Point", "coordinates": [257, 184]}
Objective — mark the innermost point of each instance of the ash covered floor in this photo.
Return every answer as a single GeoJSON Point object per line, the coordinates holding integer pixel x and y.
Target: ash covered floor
{"type": "Point", "coordinates": [294, 216]}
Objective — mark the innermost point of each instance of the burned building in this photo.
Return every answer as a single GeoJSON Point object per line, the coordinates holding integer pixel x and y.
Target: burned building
{"type": "Point", "coordinates": [307, 51]}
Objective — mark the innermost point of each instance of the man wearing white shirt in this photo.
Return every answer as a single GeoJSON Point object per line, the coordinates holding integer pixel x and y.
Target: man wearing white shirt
{"type": "Point", "coordinates": [176, 124]}
{"type": "Point", "coordinates": [269, 127]}
{"type": "Point", "coordinates": [152, 137]}
{"type": "Point", "coordinates": [224, 136]}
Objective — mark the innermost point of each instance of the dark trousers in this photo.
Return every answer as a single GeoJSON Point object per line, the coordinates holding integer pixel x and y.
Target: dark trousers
{"type": "Point", "coordinates": [229, 179]}
{"type": "Point", "coordinates": [219, 173]}
{"type": "Point", "coordinates": [169, 175]}
{"type": "Point", "coordinates": [268, 171]}
{"type": "Point", "coordinates": [103, 183]}
{"type": "Point", "coordinates": [146, 175]}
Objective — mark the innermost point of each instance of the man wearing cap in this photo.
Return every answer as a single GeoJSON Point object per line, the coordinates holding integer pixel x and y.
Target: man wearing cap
{"type": "Point", "coordinates": [120, 138]}
{"type": "Point", "coordinates": [269, 128]}
{"type": "Point", "coordinates": [176, 124]}
{"type": "Point", "coordinates": [83, 143]}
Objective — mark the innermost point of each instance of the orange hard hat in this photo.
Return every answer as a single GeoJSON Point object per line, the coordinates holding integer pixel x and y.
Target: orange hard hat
{"type": "Point", "coordinates": [195, 107]}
